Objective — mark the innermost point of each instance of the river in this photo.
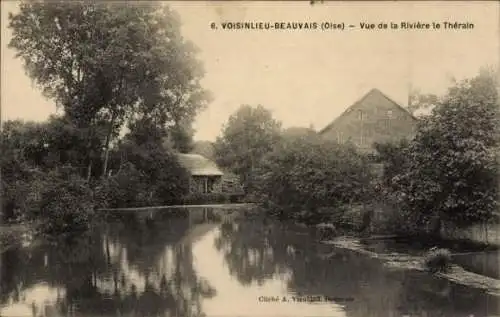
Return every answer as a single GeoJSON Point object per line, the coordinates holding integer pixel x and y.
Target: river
{"type": "Point", "coordinates": [195, 262]}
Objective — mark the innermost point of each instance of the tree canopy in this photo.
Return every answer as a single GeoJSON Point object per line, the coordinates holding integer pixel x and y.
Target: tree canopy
{"type": "Point", "coordinates": [452, 167]}
{"type": "Point", "coordinates": [307, 172]}
{"type": "Point", "coordinates": [109, 63]}
{"type": "Point", "coordinates": [250, 133]}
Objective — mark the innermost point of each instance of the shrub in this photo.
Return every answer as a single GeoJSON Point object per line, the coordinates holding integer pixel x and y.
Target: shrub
{"type": "Point", "coordinates": [208, 198]}
{"type": "Point", "coordinates": [438, 260]}
{"type": "Point", "coordinates": [125, 189]}
{"type": "Point", "coordinates": [66, 208]}
{"type": "Point", "coordinates": [393, 158]}
{"type": "Point", "coordinates": [157, 177]}
{"type": "Point", "coordinates": [450, 168]}
{"type": "Point", "coordinates": [326, 231]}
{"type": "Point", "coordinates": [304, 174]}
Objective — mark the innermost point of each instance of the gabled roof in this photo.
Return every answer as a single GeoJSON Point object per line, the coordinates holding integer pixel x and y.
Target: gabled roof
{"type": "Point", "coordinates": [361, 101]}
{"type": "Point", "coordinates": [199, 165]}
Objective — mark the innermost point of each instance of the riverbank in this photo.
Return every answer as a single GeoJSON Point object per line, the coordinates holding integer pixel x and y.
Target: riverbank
{"type": "Point", "coordinates": [242, 205]}
{"type": "Point", "coordinates": [395, 260]}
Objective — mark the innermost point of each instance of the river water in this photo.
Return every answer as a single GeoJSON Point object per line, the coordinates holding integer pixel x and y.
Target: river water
{"type": "Point", "coordinates": [195, 262]}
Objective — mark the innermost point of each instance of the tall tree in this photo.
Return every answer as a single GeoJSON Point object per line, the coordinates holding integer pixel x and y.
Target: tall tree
{"type": "Point", "coordinates": [452, 170]}
{"type": "Point", "coordinates": [180, 136]}
{"type": "Point", "coordinates": [109, 63]}
{"type": "Point", "coordinates": [250, 133]}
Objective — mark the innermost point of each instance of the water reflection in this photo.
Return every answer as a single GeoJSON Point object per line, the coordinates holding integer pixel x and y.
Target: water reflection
{"type": "Point", "coordinates": [134, 265]}
{"type": "Point", "coordinates": [198, 262]}
{"type": "Point", "coordinates": [256, 252]}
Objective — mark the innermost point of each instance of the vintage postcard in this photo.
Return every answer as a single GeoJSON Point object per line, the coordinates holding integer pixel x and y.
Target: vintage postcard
{"type": "Point", "coordinates": [246, 158]}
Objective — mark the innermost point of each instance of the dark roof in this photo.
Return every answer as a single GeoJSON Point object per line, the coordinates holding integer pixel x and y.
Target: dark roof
{"type": "Point", "coordinates": [360, 101]}
{"type": "Point", "coordinates": [199, 165]}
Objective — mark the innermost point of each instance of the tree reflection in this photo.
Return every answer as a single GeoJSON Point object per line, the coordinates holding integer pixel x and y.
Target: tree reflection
{"type": "Point", "coordinates": [130, 266]}
{"type": "Point", "coordinates": [256, 251]}
{"type": "Point", "coordinates": [252, 251]}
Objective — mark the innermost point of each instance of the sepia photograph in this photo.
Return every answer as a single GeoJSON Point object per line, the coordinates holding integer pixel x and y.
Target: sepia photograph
{"type": "Point", "coordinates": [299, 158]}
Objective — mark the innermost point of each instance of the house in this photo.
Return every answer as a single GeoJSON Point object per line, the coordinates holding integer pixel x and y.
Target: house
{"type": "Point", "coordinates": [206, 177]}
{"type": "Point", "coordinates": [373, 118]}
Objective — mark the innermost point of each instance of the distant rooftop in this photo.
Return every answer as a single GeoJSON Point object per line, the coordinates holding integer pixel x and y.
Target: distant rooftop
{"type": "Point", "coordinates": [372, 93]}
{"type": "Point", "coordinates": [198, 165]}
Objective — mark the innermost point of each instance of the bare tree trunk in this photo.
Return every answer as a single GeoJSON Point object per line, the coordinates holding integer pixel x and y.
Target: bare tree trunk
{"type": "Point", "coordinates": [106, 147]}
{"type": "Point", "coordinates": [89, 150]}
{"type": "Point", "coordinates": [105, 165]}
{"type": "Point", "coordinates": [89, 170]}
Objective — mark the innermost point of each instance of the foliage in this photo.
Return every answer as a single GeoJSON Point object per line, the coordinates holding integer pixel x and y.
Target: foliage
{"type": "Point", "coordinates": [71, 49]}
{"type": "Point", "coordinates": [29, 151]}
{"type": "Point", "coordinates": [149, 173]}
{"type": "Point", "coordinates": [204, 148]}
{"type": "Point", "coordinates": [420, 103]}
{"type": "Point", "coordinates": [303, 174]}
{"type": "Point", "coordinates": [128, 188]}
{"type": "Point", "coordinates": [452, 169]}
{"type": "Point", "coordinates": [250, 133]}
{"type": "Point", "coordinates": [180, 137]}
{"type": "Point", "coordinates": [105, 65]}
{"type": "Point", "coordinates": [438, 260]}
{"type": "Point", "coordinates": [209, 198]}
{"type": "Point", "coordinates": [23, 141]}
{"type": "Point", "coordinates": [294, 132]}
{"type": "Point", "coordinates": [230, 183]}
{"type": "Point", "coordinates": [66, 206]}
{"type": "Point", "coordinates": [393, 157]}
{"type": "Point", "coordinates": [21, 148]}
{"type": "Point", "coordinates": [144, 148]}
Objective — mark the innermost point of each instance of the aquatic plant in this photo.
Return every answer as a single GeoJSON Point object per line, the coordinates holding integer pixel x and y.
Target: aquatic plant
{"type": "Point", "coordinates": [438, 260]}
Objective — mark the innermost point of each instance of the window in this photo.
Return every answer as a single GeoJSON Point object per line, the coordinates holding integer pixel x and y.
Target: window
{"type": "Point", "coordinates": [389, 114]}
{"type": "Point", "coordinates": [360, 114]}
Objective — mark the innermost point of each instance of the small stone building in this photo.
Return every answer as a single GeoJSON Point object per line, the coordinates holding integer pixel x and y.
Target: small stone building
{"type": "Point", "coordinates": [374, 118]}
{"type": "Point", "coordinates": [206, 177]}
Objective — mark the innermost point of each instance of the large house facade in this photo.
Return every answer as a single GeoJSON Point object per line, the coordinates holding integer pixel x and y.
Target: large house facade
{"type": "Point", "coordinates": [375, 118]}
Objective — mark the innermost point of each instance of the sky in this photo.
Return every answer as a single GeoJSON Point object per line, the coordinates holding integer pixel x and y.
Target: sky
{"type": "Point", "coordinates": [304, 77]}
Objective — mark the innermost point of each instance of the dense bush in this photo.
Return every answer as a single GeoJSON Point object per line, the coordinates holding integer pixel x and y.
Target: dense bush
{"type": "Point", "coordinates": [21, 190]}
{"type": "Point", "coordinates": [393, 158]}
{"type": "Point", "coordinates": [438, 260]}
{"type": "Point", "coordinates": [208, 198]}
{"type": "Point", "coordinates": [128, 188]}
{"type": "Point", "coordinates": [306, 173]}
{"type": "Point", "coordinates": [451, 174]}
{"type": "Point", "coordinates": [66, 207]}
{"type": "Point", "coordinates": [154, 169]}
